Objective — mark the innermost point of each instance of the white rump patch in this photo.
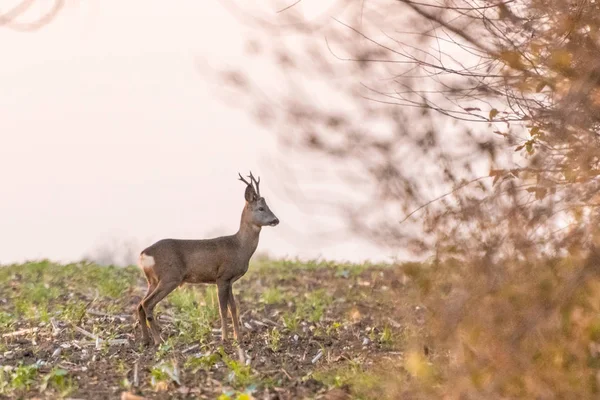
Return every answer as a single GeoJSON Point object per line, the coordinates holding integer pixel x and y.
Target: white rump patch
{"type": "Point", "coordinates": [146, 261]}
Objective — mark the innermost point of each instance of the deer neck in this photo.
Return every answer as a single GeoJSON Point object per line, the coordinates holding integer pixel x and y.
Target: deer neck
{"type": "Point", "coordinates": [248, 234]}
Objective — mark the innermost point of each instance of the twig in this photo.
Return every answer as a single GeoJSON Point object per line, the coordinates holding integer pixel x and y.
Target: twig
{"type": "Point", "coordinates": [288, 7]}
{"type": "Point", "coordinates": [215, 382]}
{"type": "Point", "coordinates": [271, 322]}
{"type": "Point", "coordinates": [286, 374]}
{"type": "Point", "coordinates": [456, 189]}
{"type": "Point", "coordinates": [136, 378]}
{"type": "Point", "coordinates": [86, 333]}
{"type": "Point", "coordinates": [55, 328]}
{"type": "Point", "coordinates": [97, 313]}
{"type": "Point", "coordinates": [194, 347]}
{"type": "Point", "coordinates": [395, 324]}
{"type": "Point", "coordinates": [20, 332]}
{"type": "Point", "coordinates": [109, 342]}
{"type": "Point", "coordinates": [317, 357]}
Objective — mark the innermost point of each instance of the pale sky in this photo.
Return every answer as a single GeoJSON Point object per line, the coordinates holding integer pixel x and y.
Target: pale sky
{"type": "Point", "coordinates": [110, 131]}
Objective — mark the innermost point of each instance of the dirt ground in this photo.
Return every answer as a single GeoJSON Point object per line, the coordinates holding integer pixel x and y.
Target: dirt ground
{"type": "Point", "coordinates": [312, 330]}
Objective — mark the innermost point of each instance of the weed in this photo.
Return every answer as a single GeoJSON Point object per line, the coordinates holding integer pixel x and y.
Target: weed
{"type": "Point", "coordinates": [333, 328]}
{"type": "Point", "coordinates": [274, 340]}
{"type": "Point", "coordinates": [194, 313]}
{"type": "Point", "coordinates": [272, 296]}
{"type": "Point", "coordinates": [74, 311]}
{"type": "Point", "coordinates": [163, 374]}
{"type": "Point", "coordinates": [385, 338]}
{"type": "Point", "coordinates": [112, 282]}
{"type": "Point", "coordinates": [58, 380]}
{"type": "Point", "coordinates": [291, 322]}
{"type": "Point", "coordinates": [121, 366]}
{"type": "Point", "coordinates": [362, 384]}
{"type": "Point", "coordinates": [19, 378]}
{"type": "Point", "coordinates": [314, 305]}
{"type": "Point", "coordinates": [6, 320]}
{"type": "Point", "coordinates": [205, 362]}
{"type": "Point", "coordinates": [240, 375]}
{"type": "Point", "coordinates": [164, 349]}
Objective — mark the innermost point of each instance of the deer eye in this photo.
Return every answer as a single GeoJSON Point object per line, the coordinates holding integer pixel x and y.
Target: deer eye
{"type": "Point", "coordinates": [261, 209]}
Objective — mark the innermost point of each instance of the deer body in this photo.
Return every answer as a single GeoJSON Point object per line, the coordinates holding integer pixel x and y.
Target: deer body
{"type": "Point", "coordinates": [170, 263]}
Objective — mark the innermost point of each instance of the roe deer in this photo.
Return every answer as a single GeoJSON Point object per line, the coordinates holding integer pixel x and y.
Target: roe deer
{"type": "Point", "coordinates": [170, 263]}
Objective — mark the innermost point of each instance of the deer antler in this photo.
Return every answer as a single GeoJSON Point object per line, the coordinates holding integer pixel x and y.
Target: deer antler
{"type": "Point", "coordinates": [243, 180]}
{"type": "Point", "coordinates": [256, 182]}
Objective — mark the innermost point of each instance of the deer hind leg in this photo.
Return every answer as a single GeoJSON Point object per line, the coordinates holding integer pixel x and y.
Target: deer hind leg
{"type": "Point", "coordinates": [142, 315]}
{"type": "Point", "coordinates": [223, 289]}
{"type": "Point", "coordinates": [160, 292]}
{"type": "Point", "coordinates": [234, 314]}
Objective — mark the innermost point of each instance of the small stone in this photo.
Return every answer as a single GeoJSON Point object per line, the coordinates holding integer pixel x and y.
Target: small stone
{"type": "Point", "coordinates": [57, 352]}
{"type": "Point", "coordinates": [365, 341]}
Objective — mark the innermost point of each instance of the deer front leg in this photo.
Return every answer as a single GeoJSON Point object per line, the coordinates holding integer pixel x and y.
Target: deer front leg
{"type": "Point", "coordinates": [223, 289]}
{"type": "Point", "coordinates": [234, 315]}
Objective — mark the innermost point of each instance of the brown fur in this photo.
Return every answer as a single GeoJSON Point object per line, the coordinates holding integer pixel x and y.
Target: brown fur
{"type": "Point", "coordinates": [220, 261]}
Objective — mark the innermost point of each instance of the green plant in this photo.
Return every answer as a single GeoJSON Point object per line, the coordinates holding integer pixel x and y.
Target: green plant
{"type": "Point", "coordinates": [240, 375]}
{"type": "Point", "coordinates": [6, 319]}
{"type": "Point", "coordinates": [194, 312]}
{"type": "Point", "coordinates": [363, 384]}
{"type": "Point", "coordinates": [385, 337]}
{"type": "Point", "coordinates": [24, 376]}
{"type": "Point", "coordinates": [291, 322]}
{"type": "Point", "coordinates": [274, 339]}
{"type": "Point", "coordinates": [74, 311]}
{"type": "Point", "coordinates": [314, 305]}
{"type": "Point", "coordinates": [205, 362]}
{"type": "Point", "coordinates": [163, 374]}
{"type": "Point", "coordinates": [58, 380]}
{"type": "Point", "coordinates": [272, 296]}
{"type": "Point", "coordinates": [333, 328]}
{"type": "Point", "coordinates": [164, 349]}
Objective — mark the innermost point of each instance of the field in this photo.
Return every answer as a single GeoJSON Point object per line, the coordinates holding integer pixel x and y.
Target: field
{"type": "Point", "coordinates": [311, 330]}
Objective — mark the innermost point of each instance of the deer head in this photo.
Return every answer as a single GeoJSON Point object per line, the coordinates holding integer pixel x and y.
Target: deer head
{"type": "Point", "coordinates": [259, 212]}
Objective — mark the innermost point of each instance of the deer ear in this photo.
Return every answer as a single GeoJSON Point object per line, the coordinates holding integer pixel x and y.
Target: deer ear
{"type": "Point", "coordinates": [250, 194]}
